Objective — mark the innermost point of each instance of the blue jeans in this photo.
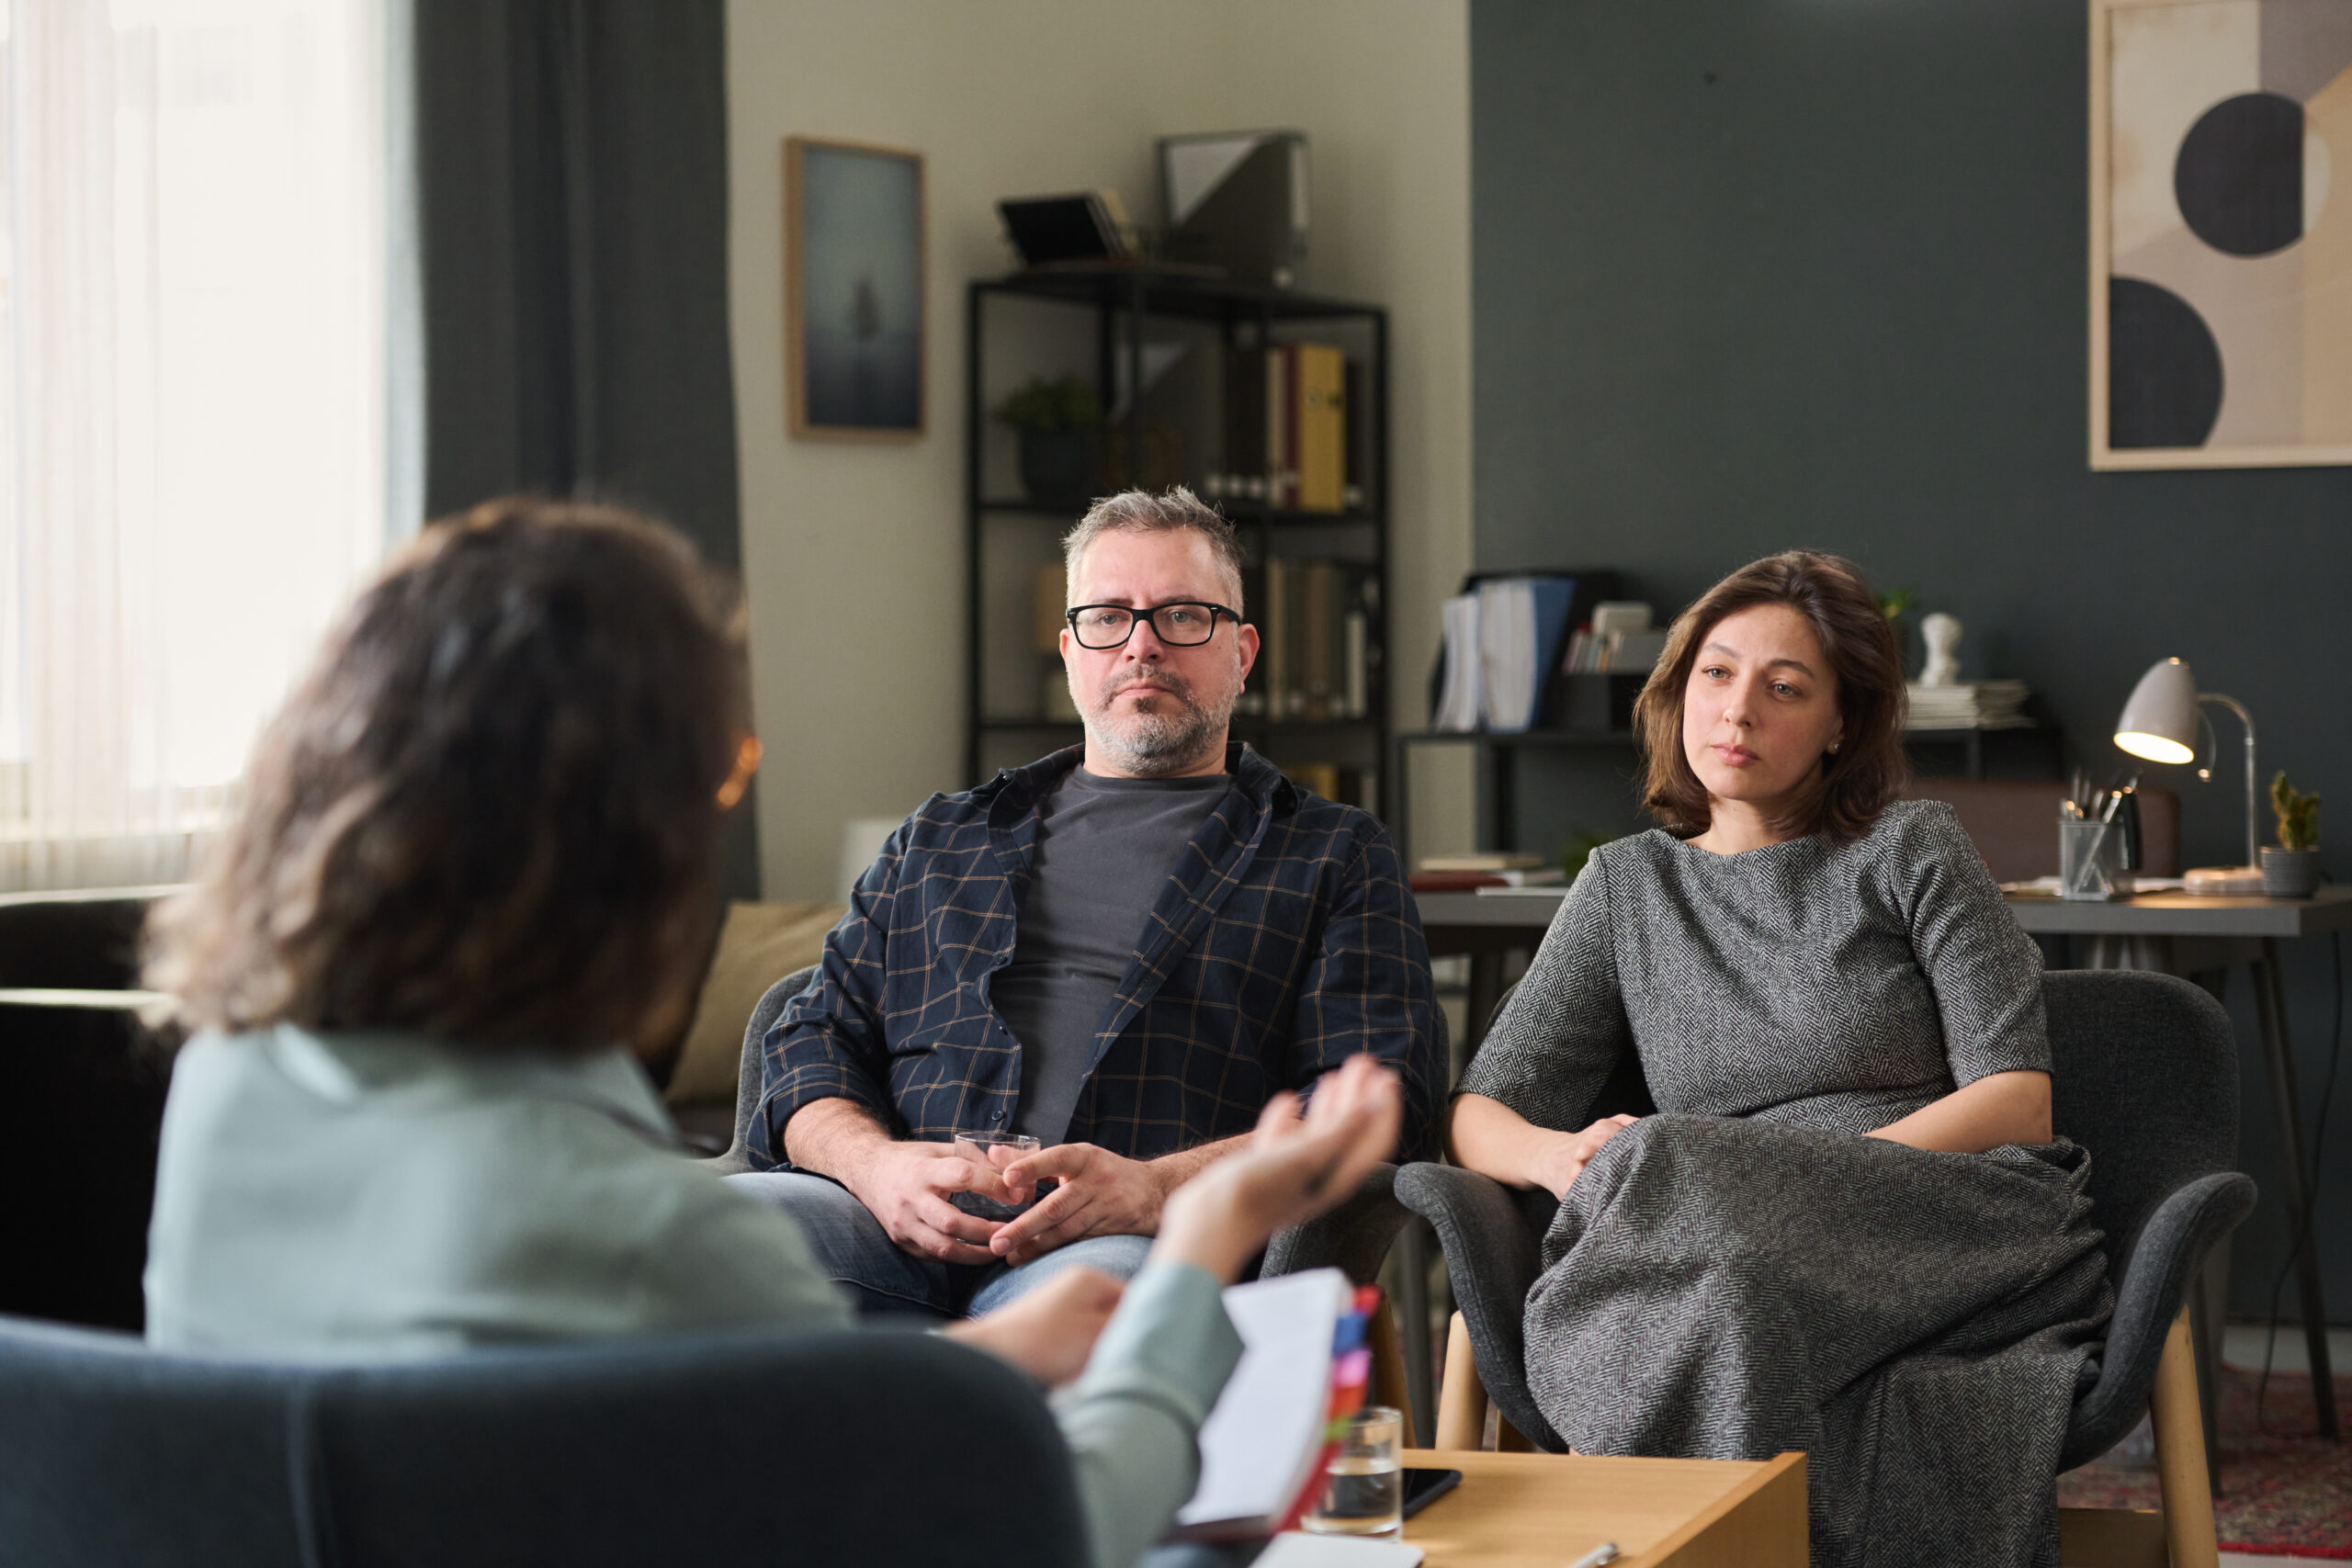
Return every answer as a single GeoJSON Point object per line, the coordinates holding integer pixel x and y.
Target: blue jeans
{"type": "Point", "coordinates": [855, 1251]}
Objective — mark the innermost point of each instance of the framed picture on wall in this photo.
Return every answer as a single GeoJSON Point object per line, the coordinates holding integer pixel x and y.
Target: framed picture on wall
{"type": "Point", "coordinates": [854, 252]}
{"type": "Point", "coordinates": [2221, 285]}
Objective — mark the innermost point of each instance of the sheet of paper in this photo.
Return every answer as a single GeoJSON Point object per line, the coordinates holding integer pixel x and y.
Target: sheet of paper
{"type": "Point", "coordinates": [1262, 1436]}
{"type": "Point", "coordinates": [1296, 1549]}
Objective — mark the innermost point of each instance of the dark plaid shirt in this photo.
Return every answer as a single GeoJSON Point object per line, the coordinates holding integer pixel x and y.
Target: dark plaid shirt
{"type": "Point", "coordinates": [1284, 940]}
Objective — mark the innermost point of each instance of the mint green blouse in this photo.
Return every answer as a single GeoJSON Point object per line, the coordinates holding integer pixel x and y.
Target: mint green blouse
{"type": "Point", "coordinates": [363, 1195]}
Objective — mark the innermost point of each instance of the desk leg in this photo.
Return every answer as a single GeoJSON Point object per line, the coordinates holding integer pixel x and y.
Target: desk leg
{"type": "Point", "coordinates": [1486, 989]}
{"type": "Point", "coordinates": [1412, 1255]}
{"type": "Point", "coordinates": [2270, 1004]}
{"type": "Point", "coordinates": [2201, 1334]}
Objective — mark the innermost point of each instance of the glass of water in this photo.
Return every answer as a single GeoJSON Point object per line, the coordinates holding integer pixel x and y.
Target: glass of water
{"type": "Point", "coordinates": [995, 1150]}
{"type": "Point", "coordinates": [1363, 1486]}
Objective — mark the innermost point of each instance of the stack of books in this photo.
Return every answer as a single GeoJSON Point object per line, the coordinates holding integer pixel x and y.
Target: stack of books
{"type": "Point", "coordinates": [1972, 704]}
{"type": "Point", "coordinates": [1465, 874]}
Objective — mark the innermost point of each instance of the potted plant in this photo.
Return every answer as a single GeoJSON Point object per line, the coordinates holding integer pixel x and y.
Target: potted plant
{"type": "Point", "coordinates": [1057, 421]}
{"type": "Point", "coordinates": [2290, 869]}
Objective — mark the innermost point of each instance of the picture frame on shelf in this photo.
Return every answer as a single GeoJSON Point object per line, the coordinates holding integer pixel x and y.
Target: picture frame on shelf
{"type": "Point", "coordinates": [855, 261]}
{"type": "Point", "coordinates": [2221, 264]}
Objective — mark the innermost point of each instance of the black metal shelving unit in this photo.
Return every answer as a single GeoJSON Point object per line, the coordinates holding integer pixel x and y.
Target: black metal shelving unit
{"type": "Point", "coordinates": [1112, 314]}
{"type": "Point", "coordinates": [1931, 751]}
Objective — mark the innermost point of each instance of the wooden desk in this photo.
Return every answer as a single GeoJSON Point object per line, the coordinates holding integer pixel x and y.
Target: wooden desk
{"type": "Point", "coordinates": [1543, 1510]}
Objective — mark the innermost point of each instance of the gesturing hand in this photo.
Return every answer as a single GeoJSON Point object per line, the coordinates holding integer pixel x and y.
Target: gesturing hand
{"type": "Point", "coordinates": [1100, 1194]}
{"type": "Point", "coordinates": [1567, 1156]}
{"type": "Point", "coordinates": [906, 1186]}
{"type": "Point", "coordinates": [1294, 1169]}
{"type": "Point", "coordinates": [1049, 1331]}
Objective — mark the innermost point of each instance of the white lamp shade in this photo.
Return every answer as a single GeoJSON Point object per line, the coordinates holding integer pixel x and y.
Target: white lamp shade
{"type": "Point", "coordinates": [2160, 721]}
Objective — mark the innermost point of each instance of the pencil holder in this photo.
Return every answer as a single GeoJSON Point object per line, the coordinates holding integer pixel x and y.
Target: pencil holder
{"type": "Point", "coordinates": [2091, 861]}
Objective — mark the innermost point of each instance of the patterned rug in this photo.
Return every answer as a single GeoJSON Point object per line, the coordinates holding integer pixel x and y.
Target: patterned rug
{"type": "Point", "coordinates": [2285, 1491]}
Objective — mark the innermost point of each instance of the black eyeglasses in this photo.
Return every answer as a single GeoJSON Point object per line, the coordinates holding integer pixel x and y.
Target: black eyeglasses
{"type": "Point", "coordinates": [1100, 626]}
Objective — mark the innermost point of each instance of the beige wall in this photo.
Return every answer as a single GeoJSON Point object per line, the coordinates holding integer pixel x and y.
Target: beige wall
{"type": "Point", "coordinates": [1023, 96]}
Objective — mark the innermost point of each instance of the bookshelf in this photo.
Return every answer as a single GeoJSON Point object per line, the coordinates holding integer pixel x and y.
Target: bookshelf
{"type": "Point", "coordinates": [1175, 355]}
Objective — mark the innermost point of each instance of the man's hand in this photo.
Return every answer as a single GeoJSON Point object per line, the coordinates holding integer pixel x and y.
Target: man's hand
{"type": "Point", "coordinates": [1566, 1154]}
{"type": "Point", "coordinates": [1100, 1194]}
{"type": "Point", "coordinates": [1049, 1331]}
{"type": "Point", "coordinates": [907, 1186]}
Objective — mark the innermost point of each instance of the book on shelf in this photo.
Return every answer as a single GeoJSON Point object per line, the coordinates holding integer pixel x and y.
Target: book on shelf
{"type": "Point", "coordinates": [1456, 695]}
{"type": "Point", "coordinates": [1304, 1370]}
{"type": "Point", "coordinates": [1333, 780]}
{"type": "Point", "coordinates": [1293, 437]}
{"type": "Point", "coordinates": [1970, 705]}
{"type": "Point", "coordinates": [1047, 613]}
{"type": "Point", "coordinates": [1316, 655]}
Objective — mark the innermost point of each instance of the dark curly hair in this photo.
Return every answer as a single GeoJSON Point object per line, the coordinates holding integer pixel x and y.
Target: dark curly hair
{"type": "Point", "coordinates": [1866, 772]}
{"type": "Point", "coordinates": [490, 811]}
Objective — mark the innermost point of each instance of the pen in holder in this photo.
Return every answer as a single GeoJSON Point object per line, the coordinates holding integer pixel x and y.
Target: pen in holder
{"type": "Point", "coordinates": [2090, 857]}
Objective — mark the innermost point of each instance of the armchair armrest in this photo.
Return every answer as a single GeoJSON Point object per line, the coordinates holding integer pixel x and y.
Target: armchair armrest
{"type": "Point", "coordinates": [1490, 1237]}
{"type": "Point", "coordinates": [1353, 1237]}
{"type": "Point", "coordinates": [2170, 1249]}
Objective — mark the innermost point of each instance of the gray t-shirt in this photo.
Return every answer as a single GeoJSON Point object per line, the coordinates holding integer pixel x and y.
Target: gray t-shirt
{"type": "Point", "coordinates": [1104, 849]}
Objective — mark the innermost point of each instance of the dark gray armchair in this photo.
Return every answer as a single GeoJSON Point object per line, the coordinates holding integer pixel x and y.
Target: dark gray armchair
{"type": "Point", "coordinates": [1353, 1237]}
{"type": "Point", "coordinates": [2144, 1076]}
{"type": "Point", "coordinates": [735, 1448]}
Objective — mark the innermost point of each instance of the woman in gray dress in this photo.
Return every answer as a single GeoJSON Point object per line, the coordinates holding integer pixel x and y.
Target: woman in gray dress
{"type": "Point", "coordinates": [1849, 1228]}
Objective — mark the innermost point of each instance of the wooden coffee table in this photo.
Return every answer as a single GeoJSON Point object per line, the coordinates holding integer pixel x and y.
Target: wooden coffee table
{"type": "Point", "coordinates": [1547, 1510]}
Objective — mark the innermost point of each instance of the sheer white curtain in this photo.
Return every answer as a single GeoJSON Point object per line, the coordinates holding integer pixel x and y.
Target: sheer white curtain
{"type": "Point", "coordinates": [193, 463]}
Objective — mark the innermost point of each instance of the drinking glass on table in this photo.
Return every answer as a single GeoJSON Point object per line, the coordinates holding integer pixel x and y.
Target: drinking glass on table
{"type": "Point", "coordinates": [1364, 1485]}
{"type": "Point", "coordinates": [994, 1151]}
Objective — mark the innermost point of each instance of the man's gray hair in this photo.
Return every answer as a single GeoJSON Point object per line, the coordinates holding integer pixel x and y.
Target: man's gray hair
{"type": "Point", "coordinates": [1139, 511]}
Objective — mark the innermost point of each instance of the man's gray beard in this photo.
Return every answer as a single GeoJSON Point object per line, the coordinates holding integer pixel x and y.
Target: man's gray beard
{"type": "Point", "coordinates": [1155, 745]}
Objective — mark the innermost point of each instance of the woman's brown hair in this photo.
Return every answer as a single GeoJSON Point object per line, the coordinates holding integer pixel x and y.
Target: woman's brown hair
{"type": "Point", "coordinates": [489, 812]}
{"type": "Point", "coordinates": [1866, 772]}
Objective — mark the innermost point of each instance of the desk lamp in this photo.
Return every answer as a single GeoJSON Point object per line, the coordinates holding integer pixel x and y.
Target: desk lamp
{"type": "Point", "coordinates": [2160, 723]}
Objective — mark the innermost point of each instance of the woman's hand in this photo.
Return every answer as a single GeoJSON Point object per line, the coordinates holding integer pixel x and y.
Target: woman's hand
{"type": "Point", "coordinates": [1489, 1137]}
{"type": "Point", "coordinates": [1565, 1155]}
{"type": "Point", "coordinates": [1294, 1167]}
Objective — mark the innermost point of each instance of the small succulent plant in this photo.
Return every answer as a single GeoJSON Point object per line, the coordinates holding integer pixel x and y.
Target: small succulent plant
{"type": "Point", "coordinates": [2298, 814]}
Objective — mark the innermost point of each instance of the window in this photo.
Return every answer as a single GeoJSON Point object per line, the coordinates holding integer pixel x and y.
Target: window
{"type": "Point", "coordinates": [192, 409]}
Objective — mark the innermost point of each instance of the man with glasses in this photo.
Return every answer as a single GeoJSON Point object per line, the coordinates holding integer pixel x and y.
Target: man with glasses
{"type": "Point", "coordinates": [1124, 949]}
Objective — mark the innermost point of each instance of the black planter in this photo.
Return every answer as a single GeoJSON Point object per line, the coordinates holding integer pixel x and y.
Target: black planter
{"type": "Point", "coordinates": [1058, 466]}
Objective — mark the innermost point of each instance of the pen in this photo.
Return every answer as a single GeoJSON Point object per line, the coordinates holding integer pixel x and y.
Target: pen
{"type": "Point", "coordinates": [1605, 1552]}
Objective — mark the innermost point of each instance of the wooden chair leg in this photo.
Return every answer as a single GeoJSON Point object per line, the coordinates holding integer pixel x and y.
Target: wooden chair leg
{"type": "Point", "coordinates": [1390, 1386]}
{"type": "Point", "coordinates": [1462, 1402]}
{"type": "Point", "coordinates": [2181, 1534]}
{"type": "Point", "coordinates": [2180, 1453]}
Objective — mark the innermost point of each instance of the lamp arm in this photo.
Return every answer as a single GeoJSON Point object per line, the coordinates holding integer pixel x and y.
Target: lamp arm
{"type": "Point", "coordinates": [2237, 707]}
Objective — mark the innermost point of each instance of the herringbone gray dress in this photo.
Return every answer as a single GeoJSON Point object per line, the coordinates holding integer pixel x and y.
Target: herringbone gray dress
{"type": "Point", "coordinates": [1742, 1273]}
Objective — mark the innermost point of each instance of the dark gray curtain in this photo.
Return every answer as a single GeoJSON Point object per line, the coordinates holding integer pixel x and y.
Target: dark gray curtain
{"type": "Point", "coordinates": [572, 203]}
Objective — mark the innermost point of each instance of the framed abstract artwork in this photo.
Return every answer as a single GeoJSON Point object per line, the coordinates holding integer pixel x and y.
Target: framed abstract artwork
{"type": "Point", "coordinates": [853, 290]}
{"type": "Point", "coordinates": [2220, 254]}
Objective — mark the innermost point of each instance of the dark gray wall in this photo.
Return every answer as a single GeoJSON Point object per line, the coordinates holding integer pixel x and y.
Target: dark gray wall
{"type": "Point", "coordinates": [1754, 274]}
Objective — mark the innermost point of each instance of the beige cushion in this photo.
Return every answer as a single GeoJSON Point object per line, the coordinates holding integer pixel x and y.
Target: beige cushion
{"type": "Point", "coordinates": [760, 944]}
